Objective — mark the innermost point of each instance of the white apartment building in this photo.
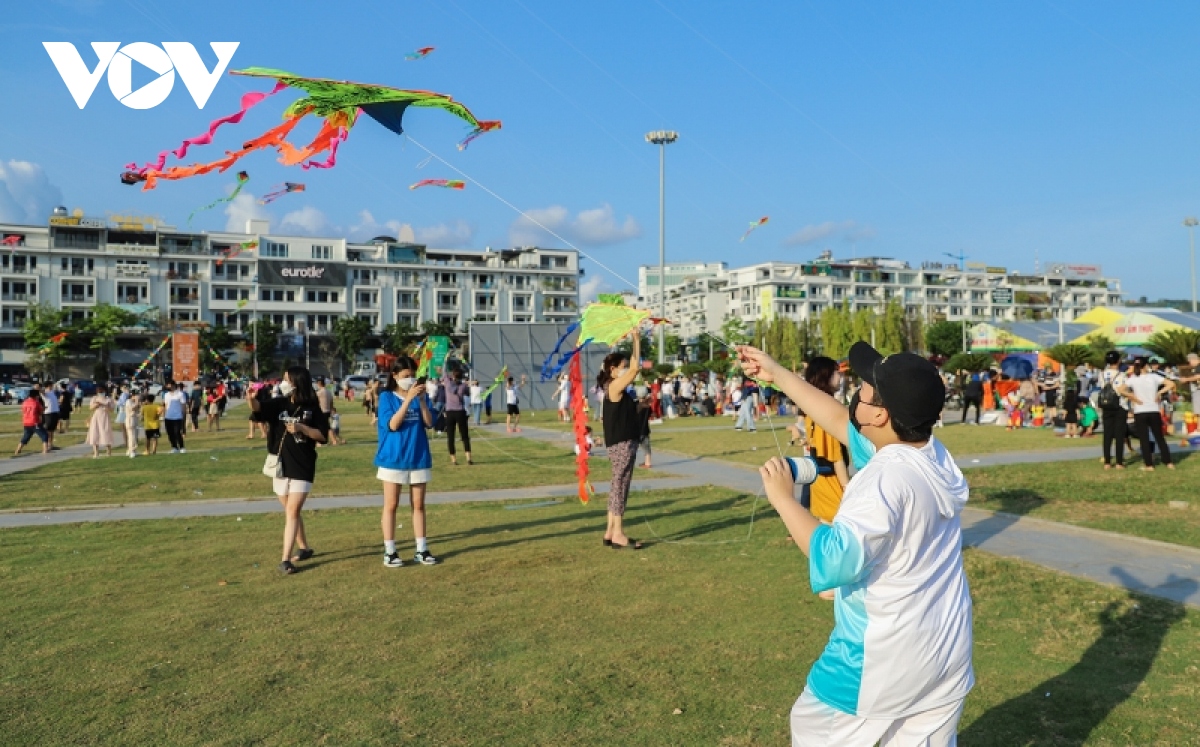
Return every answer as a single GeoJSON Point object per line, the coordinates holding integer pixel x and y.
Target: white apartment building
{"type": "Point", "coordinates": [701, 302]}
{"type": "Point", "coordinates": [301, 283]}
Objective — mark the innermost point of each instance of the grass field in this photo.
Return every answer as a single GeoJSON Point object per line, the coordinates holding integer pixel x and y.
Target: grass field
{"type": "Point", "coordinates": [1081, 492]}
{"type": "Point", "coordinates": [530, 633]}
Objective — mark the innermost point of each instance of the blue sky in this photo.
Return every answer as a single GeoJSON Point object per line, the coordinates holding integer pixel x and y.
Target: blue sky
{"type": "Point", "coordinates": [1013, 132]}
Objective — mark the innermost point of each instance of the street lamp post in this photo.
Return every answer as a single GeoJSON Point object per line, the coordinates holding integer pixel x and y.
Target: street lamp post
{"type": "Point", "coordinates": [1191, 227]}
{"type": "Point", "coordinates": [662, 138]}
{"type": "Point", "coordinates": [254, 327]}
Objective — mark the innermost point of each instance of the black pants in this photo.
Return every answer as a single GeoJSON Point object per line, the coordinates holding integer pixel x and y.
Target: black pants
{"type": "Point", "coordinates": [1113, 422]}
{"type": "Point", "coordinates": [1147, 424]}
{"type": "Point", "coordinates": [175, 430]}
{"type": "Point", "coordinates": [967, 402]}
{"type": "Point", "coordinates": [195, 421]}
{"type": "Point", "coordinates": [457, 418]}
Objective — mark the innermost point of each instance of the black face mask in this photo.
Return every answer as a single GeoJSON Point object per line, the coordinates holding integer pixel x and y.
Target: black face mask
{"type": "Point", "coordinates": [854, 402]}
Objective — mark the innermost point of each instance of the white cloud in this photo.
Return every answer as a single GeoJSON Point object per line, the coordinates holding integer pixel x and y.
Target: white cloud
{"type": "Point", "coordinates": [592, 287]}
{"type": "Point", "coordinates": [242, 208]}
{"type": "Point", "coordinates": [445, 235]}
{"type": "Point", "coordinates": [307, 221]}
{"type": "Point", "coordinates": [26, 194]}
{"type": "Point", "coordinates": [846, 230]}
{"type": "Point", "coordinates": [453, 234]}
{"type": "Point", "coordinates": [593, 227]}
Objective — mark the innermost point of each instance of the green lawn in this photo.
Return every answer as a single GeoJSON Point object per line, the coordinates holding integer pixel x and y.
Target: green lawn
{"type": "Point", "coordinates": [530, 633]}
{"type": "Point", "coordinates": [234, 472]}
{"type": "Point", "coordinates": [1081, 492]}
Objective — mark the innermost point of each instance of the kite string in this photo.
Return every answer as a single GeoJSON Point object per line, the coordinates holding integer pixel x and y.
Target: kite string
{"type": "Point", "coordinates": [522, 213]}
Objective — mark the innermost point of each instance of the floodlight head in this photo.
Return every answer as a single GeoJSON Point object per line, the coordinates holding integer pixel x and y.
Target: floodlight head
{"type": "Point", "coordinates": [1189, 222]}
{"type": "Point", "coordinates": [662, 137]}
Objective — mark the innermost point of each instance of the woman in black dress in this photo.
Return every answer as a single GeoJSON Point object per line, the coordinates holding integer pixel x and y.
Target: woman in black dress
{"type": "Point", "coordinates": [622, 431]}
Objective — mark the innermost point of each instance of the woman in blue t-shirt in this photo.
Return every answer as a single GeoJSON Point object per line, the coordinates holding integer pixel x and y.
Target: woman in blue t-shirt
{"type": "Point", "coordinates": [403, 456]}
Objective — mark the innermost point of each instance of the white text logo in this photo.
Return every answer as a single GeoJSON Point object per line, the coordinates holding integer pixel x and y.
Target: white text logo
{"type": "Point", "coordinates": [302, 272]}
{"type": "Point", "coordinates": [118, 61]}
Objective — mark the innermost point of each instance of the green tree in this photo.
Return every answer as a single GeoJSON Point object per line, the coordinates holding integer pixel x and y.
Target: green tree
{"type": "Point", "coordinates": [1069, 356]}
{"type": "Point", "coordinates": [398, 337]}
{"type": "Point", "coordinates": [889, 329]}
{"type": "Point", "coordinates": [214, 338]}
{"type": "Point", "coordinates": [1174, 345]}
{"type": "Point", "coordinates": [837, 333]}
{"type": "Point", "coordinates": [440, 329]}
{"type": "Point", "coordinates": [733, 331]}
{"type": "Point", "coordinates": [650, 347]}
{"type": "Point", "coordinates": [1100, 345]}
{"type": "Point", "coordinates": [973, 362]}
{"type": "Point", "coordinates": [43, 322]}
{"type": "Point", "coordinates": [944, 338]}
{"type": "Point", "coordinates": [351, 334]}
{"type": "Point", "coordinates": [262, 339]}
{"type": "Point", "coordinates": [107, 321]}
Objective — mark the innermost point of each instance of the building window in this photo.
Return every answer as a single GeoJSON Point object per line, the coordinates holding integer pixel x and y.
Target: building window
{"type": "Point", "coordinates": [273, 249]}
{"type": "Point", "coordinates": [322, 252]}
{"type": "Point", "coordinates": [218, 294]}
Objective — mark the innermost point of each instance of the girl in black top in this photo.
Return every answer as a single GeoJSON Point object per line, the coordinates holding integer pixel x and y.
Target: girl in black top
{"type": "Point", "coordinates": [295, 426]}
{"type": "Point", "coordinates": [622, 431]}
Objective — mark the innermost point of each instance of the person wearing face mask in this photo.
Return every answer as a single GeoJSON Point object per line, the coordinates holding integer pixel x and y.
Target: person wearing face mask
{"type": "Point", "coordinates": [295, 425]}
{"type": "Point", "coordinates": [898, 664]}
{"type": "Point", "coordinates": [403, 456]}
{"type": "Point", "coordinates": [622, 431]}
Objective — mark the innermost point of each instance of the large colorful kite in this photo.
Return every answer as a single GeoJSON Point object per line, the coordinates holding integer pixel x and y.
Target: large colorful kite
{"type": "Point", "coordinates": [608, 323]}
{"type": "Point", "coordinates": [338, 102]}
{"type": "Point", "coordinates": [279, 190]}
{"type": "Point", "coordinates": [446, 183]}
{"type": "Point", "coordinates": [419, 53]}
{"type": "Point", "coordinates": [753, 225]}
{"type": "Point", "coordinates": [242, 178]}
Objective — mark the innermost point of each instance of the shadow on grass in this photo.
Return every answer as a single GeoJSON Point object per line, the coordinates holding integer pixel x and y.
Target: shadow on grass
{"type": "Point", "coordinates": [1064, 710]}
{"type": "Point", "coordinates": [1017, 502]}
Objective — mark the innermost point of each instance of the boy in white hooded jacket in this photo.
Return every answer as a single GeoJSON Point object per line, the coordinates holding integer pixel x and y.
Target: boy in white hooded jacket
{"type": "Point", "coordinates": [898, 664]}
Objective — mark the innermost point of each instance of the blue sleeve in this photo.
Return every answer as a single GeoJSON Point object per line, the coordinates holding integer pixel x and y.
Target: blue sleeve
{"type": "Point", "coordinates": [835, 557]}
{"type": "Point", "coordinates": [389, 404]}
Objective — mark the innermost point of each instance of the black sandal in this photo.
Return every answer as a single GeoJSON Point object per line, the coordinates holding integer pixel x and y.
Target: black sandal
{"type": "Point", "coordinates": [632, 544]}
{"type": "Point", "coordinates": [607, 542]}
{"type": "Point", "coordinates": [304, 554]}
{"type": "Point", "coordinates": [287, 569]}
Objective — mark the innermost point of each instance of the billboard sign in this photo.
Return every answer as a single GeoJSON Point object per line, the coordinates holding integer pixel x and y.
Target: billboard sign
{"type": "Point", "coordinates": [1002, 296]}
{"type": "Point", "coordinates": [185, 356]}
{"type": "Point", "coordinates": [1074, 272]}
{"type": "Point", "coordinates": [301, 273]}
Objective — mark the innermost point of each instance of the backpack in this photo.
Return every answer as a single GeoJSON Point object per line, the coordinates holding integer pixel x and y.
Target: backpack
{"type": "Point", "coordinates": [1108, 399]}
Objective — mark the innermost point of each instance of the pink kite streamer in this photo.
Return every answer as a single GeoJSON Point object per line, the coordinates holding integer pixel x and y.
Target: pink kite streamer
{"type": "Point", "coordinates": [331, 161]}
{"type": "Point", "coordinates": [248, 100]}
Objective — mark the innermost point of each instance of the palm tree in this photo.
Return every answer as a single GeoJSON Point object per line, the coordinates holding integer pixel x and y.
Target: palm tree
{"type": "Point", "coordinates": [1174, 345]}
{"type": "Point", "coordinates": [1070, 356]}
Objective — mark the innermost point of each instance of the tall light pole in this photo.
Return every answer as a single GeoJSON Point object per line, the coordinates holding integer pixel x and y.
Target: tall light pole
{"type": "Point", "coordinates": [254, 327]}
{"type": "Point", "coordinates": [662, 138]}
{"type": "Point", "coordinates": [1191, 227]}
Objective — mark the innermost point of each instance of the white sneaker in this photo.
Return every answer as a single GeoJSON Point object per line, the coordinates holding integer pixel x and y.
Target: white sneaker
{"type": "Point", "coordinates": [183, 451]}
{"type": "Point", "coordinates": [392, 560]}
{"type": "Point", "coordinates": [174, 451]}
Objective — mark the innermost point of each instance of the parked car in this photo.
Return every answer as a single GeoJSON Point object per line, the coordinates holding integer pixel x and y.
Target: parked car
{"type": "Point", "coordinates": [358, 383]}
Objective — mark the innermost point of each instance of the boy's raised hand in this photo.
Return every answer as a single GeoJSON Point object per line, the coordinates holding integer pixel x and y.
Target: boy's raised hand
{"type": "Point", "coordinates": [777, 480]}
{"type": "Point", "coordinates": [756, 364]}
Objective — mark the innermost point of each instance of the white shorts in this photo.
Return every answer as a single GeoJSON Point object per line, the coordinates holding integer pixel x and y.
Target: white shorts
{"type": "Point", "coordinates": [404, 476]}
{"type": "Point", "coordinates": [815, 723]}
{"type": "Point", "coordinates": [285, 486]}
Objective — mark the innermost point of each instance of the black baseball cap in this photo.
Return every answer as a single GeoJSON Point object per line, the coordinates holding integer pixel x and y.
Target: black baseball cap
{"type": "Point", "coordinates": [910, 387]}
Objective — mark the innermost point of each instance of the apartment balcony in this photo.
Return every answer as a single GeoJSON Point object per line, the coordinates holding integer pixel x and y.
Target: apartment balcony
{"type": "Point", "coordinates": [447, 307]}
{"type": "Point", "coordinates": [19, 270]}
{"type": "Point", "coordinates": [131, 272]}
{"type": "Point", "coordinates": [185, 300]}
{"type": "Point", "coordinates": [77, 298]}
{"type": "Point", "coordinates": [366, 305]}
{"type": "Point", "coordinates": [18, 297]}
{"type": "Point", "coordinates": [77, 272]}
{"type": "Point", "coordinates": [408, 307]}
{"type": "Point", "coordinates": [443, 284]}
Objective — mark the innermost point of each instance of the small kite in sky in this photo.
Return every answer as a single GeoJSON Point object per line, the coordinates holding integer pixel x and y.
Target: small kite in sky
{"type": "Point", "coordinates": [337, 102]}
{"type": "Point", "coordinates": [279, 191]}
{"type": "Point", "coordinates": [755, 224]}
{"type": "Point", "coordinates": [419, 53]}
{"type": "Point", "coordinates": [447, 183]}
{"type": "Point", "coordinates": [242, 178]}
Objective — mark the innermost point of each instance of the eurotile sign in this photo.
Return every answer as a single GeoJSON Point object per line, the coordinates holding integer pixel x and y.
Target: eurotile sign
{"type": "Point", "coordinates": [302, 274]}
